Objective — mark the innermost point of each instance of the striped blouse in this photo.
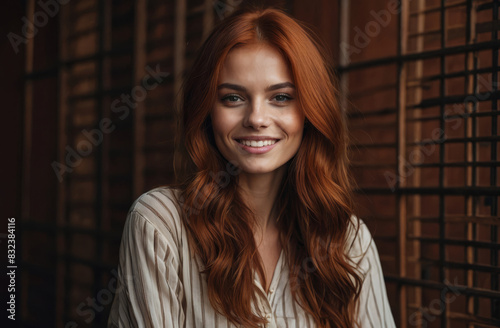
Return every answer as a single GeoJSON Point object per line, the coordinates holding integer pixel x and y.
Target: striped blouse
{"type": "Point", "coordinates": [160, 285]}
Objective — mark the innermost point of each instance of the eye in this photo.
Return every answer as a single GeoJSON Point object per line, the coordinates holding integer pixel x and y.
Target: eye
{"type": "Point", "coordinates": [231, 98]}
{"type": "Point", "coordinates": [282, 97]}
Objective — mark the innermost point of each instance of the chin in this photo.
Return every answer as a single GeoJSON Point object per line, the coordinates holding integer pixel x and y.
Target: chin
{"type": "Point", "coordinates": [258, 169]}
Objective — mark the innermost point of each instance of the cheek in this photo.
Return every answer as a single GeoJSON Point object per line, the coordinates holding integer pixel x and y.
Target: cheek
{"type": "Point", "coordinates": [295, 126]}
{"type": "Point", "coordinates": [222, 123]}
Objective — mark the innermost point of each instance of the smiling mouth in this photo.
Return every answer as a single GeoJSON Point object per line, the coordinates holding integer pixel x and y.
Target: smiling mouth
{"type": "Point", "coordinates": [257, 143]}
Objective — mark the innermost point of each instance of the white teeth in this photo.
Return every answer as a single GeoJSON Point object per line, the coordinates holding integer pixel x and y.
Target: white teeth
{"type": "Point", "coordinates": [260, 143]}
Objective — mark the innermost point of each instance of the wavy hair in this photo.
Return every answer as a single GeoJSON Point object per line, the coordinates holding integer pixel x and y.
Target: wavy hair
{"type": "Point", "coordinates": [315, 200]}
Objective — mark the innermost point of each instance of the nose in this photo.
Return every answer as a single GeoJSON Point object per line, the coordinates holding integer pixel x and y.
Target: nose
{"type": "Point", "coordinates": [257, 115]}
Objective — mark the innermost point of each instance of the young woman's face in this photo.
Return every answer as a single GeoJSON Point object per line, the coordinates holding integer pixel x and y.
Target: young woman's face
{"type": "Point", "coordinates": [256, 119]}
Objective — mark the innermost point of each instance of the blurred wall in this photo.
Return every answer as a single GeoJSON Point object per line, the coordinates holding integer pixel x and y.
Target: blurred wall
{"type": "Point", "coordinates": [88, 136]}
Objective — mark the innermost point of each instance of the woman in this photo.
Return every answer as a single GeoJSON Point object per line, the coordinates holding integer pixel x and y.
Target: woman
{"type": "Point", "coordinates": [261, 232]}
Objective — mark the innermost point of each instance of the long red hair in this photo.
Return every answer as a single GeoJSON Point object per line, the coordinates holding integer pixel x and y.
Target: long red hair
{"type": "Point", "coordinates": [315, 200]}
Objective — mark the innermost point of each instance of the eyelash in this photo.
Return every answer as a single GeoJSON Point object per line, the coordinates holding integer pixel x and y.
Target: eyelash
{"type": "Point", "coordinates": [287, 96]}
{"type": "Point", "coordinates": [226, 97]}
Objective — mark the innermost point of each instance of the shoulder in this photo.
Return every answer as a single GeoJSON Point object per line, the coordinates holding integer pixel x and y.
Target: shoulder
{"type": "Point", "coordinates": [359, 240]}
{"type": "Point", "coordinates": [374, 309]}
{"type": "Point", "coordinates": [159, 208]}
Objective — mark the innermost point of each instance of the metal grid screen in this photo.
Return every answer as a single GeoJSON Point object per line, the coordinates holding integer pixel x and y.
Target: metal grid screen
{"type": "Point", "coordinates": [424, 120]}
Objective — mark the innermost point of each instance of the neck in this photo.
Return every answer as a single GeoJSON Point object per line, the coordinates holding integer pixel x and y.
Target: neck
{"type": "Point", "coordinates": [259, 191]}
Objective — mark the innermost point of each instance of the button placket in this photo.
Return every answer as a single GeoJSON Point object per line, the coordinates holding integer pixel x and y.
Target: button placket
{"type": "Point", "coordinates": [267, 299]}
{"type": "Point", "coordinates": [269, 313]}
{"type": "Point", "coordinates": [276, 279]}
{"type": "Point", "coordinates": [264, 304]}
{"type": "Point", "coordinates": [271, 322]}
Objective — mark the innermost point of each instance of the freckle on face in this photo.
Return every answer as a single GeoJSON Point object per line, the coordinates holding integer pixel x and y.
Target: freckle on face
{"type": "Point", "coordinates": [254, 110]}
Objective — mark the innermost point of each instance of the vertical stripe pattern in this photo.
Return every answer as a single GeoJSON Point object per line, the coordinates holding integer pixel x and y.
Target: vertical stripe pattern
{"type": "Point", "coordinates": [160, 284]}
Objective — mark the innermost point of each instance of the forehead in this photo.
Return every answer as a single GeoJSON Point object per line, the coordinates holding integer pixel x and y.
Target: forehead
{"type": "Point", "coordinates": [255, 61]}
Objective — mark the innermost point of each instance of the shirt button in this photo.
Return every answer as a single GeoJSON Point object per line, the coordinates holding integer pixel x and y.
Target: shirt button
{"type": "Point", "coordinates": [271, 290]}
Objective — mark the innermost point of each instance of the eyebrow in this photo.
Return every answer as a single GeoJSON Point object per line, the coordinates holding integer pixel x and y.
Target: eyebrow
{"type": "Point", "coordinates": [243, 89]}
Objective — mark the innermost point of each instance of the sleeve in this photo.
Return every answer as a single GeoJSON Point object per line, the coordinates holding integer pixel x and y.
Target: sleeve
{"type": "Point", "coordinates": [373, 308]}
{"type": "Point", "coordinates": [150, 291]}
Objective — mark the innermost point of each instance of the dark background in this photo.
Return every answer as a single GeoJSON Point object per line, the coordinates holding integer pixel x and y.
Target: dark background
{"type": "Point", "coordinates": [419, 82]}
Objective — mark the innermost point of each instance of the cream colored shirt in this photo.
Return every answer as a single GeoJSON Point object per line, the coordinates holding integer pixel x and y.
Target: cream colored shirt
{"type": "Point", "coordinates": [160, 284]}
